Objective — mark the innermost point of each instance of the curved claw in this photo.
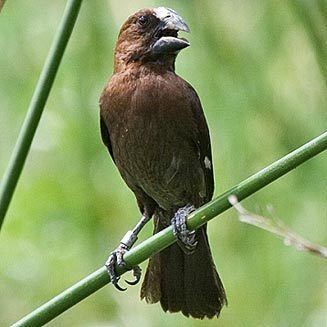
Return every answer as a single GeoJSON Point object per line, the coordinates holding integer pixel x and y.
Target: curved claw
{"type": "Point", "coordinates": [134, 282]}
{"type": "Point", "coordinates": [119, 288]}
{"type": "Point", "coordinates": [137, 272]}
{"type": "Point", "coordinates": [114, 278]}
{"type": "Point", "coordinates": [116, 259]}
{"type": "Point", "coordinates": [110, 265]}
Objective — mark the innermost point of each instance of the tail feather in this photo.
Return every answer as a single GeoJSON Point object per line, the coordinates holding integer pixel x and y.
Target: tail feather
{"type": "Point", "coordinates": [186, 283]}
{"type": "Point", "coordinates": [171, 281]}
{"type": "Point", "coordinates": [203, 289]}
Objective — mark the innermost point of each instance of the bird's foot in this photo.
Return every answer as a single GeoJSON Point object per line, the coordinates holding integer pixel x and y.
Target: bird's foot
{"type": "Point", "coordinates": [116, 258]}
{"type": "Point", "coordinates": [185, 238]}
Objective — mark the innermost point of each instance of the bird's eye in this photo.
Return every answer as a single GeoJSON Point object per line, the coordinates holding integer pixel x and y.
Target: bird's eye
{"type": "Point", "coordinates": [143, 20]}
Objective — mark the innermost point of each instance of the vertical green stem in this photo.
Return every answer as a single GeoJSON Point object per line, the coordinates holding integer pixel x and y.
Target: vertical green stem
{"type": "Point", "coordinates": [38, 101]}
{"type": "Point", "coordinates": [313, 16]}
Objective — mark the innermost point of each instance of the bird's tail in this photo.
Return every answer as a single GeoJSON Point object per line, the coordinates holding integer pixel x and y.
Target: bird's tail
{"type": "Point", "coordinates": [185, 282]}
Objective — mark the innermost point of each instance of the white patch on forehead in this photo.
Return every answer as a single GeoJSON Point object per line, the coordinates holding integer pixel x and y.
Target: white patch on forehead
{"type": "Point", "coordinates": [207, 163]}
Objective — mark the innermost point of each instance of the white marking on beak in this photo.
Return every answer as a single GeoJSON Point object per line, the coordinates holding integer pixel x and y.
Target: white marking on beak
{"type": "Point", "coordinates": [207, 163]}
{"type": "Point", "coordinates": [171, 19]}
{"type": "Point", "coordinates": [162, 12]}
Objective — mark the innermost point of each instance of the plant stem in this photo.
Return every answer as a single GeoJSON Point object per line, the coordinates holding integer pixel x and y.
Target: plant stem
{"type": "Point", "coordinates": [164, 238]}
{"type": "Point", "coordinates": [38, 101]}
{"type": "Point", "coordinates": [313, 17]}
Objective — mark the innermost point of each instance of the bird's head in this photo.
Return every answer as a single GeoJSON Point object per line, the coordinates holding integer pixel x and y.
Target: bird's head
{"type": "Point", "coordinates": [150, 35]}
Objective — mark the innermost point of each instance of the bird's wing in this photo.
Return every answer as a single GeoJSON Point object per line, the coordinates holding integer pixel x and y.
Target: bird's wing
{"type": "Point", "coordinates": [202, 142]}
{"type": "Point", "coordinates": [106, 136]}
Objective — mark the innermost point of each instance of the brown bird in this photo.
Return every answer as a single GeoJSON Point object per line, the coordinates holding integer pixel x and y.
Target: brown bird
{"type": "Point", "coordinates": [154, 127]}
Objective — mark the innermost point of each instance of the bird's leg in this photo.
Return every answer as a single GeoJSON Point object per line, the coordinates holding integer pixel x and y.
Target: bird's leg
{"type": "Point", "coordinates": [116, 257]}
{"type": "Point", "coordinates": [185, 238]}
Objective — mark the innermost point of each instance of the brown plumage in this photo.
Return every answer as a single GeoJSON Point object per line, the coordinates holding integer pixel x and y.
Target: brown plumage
{"type": "Point", "coordinates": [153, 125]}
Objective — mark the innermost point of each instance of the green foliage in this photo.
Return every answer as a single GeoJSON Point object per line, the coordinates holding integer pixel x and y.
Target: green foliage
{"type": "Point", "coordinates": [259, 77]}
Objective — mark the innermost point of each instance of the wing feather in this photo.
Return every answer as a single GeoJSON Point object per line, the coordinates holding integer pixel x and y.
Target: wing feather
{"type": "Point", "coordinates": [106, 136]}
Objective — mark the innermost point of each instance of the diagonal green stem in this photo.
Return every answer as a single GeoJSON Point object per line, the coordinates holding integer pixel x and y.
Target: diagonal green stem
{"type": "Point", "coordinates": [164, 238]}
{"type": "Point", "coordinates": [39, 98]}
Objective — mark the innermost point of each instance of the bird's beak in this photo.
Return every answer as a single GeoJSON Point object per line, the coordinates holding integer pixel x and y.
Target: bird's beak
{"type": "Point", "coordinates": [167, 34]}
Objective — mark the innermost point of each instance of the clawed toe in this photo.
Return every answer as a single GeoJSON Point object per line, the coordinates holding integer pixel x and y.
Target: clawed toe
{"type": "Point", "coordinates": [116, 258]}
{"type": "Point", "coordinates": [137, 272]}
{"type": "Point", "coordinates": [185, 238]}
{"type": "Point", "coordinates": [110, 265]}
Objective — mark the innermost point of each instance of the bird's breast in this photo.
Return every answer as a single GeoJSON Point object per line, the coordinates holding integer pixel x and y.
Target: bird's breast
{"type": "Point", "coordinates": [151, 133]}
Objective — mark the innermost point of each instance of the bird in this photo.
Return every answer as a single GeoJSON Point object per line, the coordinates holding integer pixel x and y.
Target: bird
{"type": "Point", "coordinates": [153, 125]}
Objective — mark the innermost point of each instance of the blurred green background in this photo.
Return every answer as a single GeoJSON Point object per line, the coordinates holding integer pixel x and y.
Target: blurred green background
{"type": "Point", "coordinates": [258, 67]}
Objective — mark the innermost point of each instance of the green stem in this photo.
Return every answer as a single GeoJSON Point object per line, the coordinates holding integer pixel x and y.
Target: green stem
{"type": "Point", "coordinates": [39, 98]}
{"type": "Point", "coordinates": [164, 238]}
{"type": "Point", "coordinates": [313, 17]}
